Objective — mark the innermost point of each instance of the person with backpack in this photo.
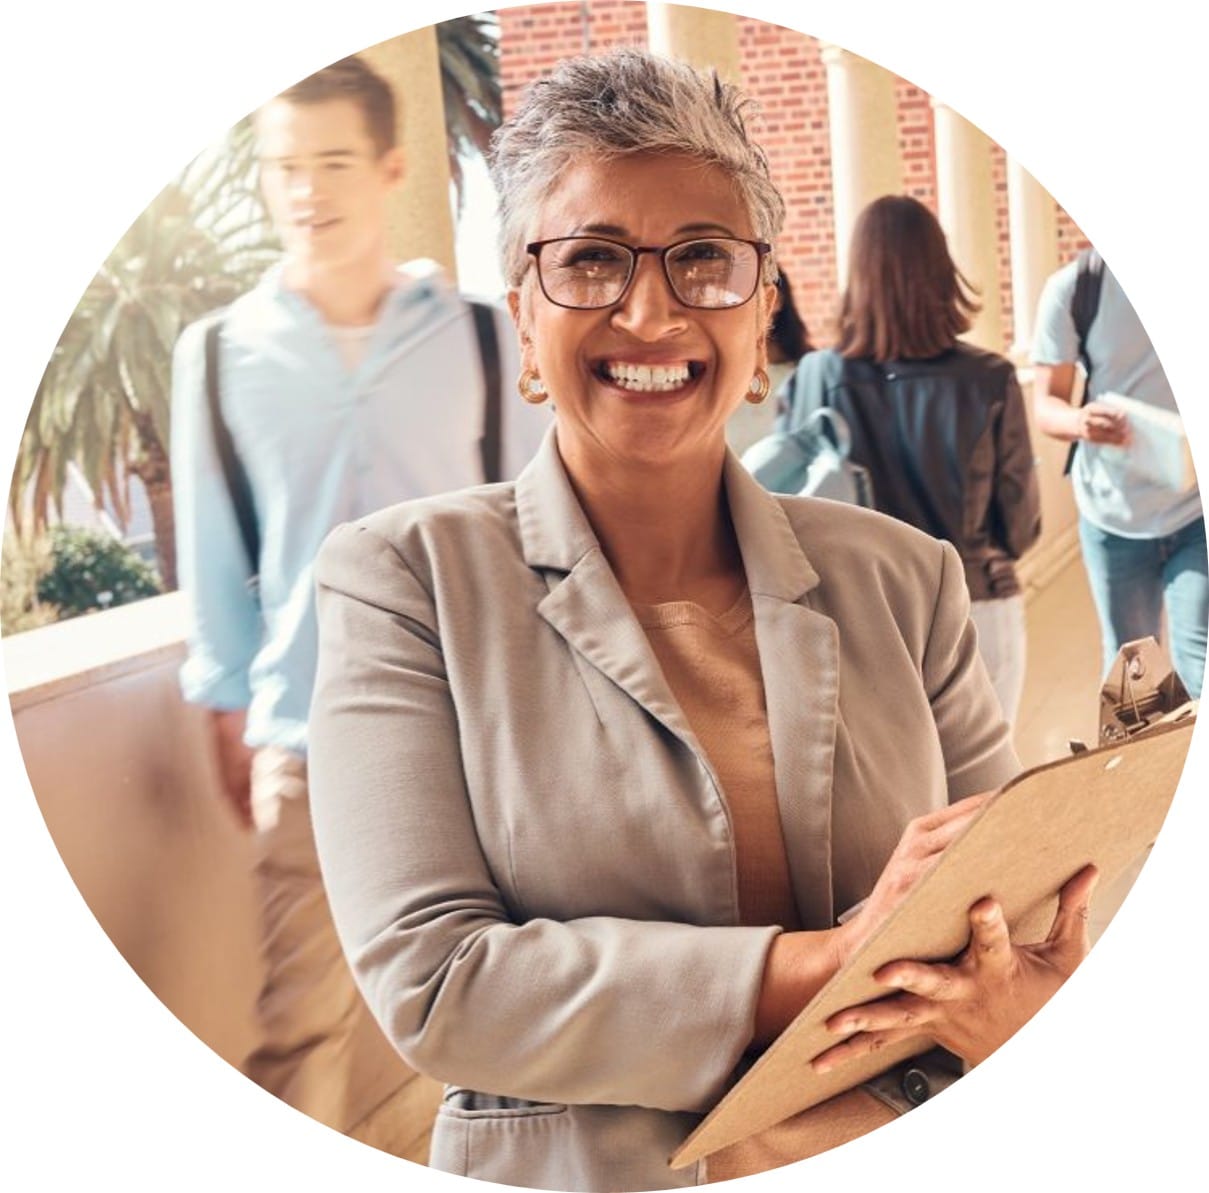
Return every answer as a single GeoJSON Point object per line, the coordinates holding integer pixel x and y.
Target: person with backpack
{"type": "Point", "coordinates": [341, 383]}
{"type": "Point", "coordinates": [1142, 530]}
{"type": "Point", "coordinates": [932, 431]}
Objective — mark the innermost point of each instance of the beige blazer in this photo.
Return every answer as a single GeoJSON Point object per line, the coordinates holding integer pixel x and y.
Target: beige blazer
{"type": "Point", "coordinates": [528, 855]}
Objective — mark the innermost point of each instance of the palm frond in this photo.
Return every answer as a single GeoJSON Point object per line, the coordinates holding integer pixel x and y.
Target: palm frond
{"type": "Point", "coordinates": [470, 85]}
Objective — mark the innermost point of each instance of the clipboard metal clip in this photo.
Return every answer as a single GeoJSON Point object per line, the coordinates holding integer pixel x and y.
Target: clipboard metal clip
{"type": "Point", "coordinates": [1141, 690]}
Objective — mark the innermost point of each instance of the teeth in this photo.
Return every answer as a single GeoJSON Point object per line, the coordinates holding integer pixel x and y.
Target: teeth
{"type": "Point", "coordinates": [648, 378]}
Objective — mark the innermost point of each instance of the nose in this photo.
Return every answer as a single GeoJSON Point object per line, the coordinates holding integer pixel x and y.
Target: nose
{"type": "Point", "coordinates": [303, 184]}
{"type": "Point", "coordinates": [649, 310]}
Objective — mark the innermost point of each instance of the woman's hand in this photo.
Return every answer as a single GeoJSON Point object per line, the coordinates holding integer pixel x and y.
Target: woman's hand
{"type": "Point", "coordinates": [919, 848]}
{"type": "Point", "coordinates": [799, 964]}
{"type": "Point", "coordinates": [975, 1004]}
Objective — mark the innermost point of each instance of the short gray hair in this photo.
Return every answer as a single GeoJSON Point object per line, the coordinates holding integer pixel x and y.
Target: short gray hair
{"type": "Point", "coordinates": [621, 102]}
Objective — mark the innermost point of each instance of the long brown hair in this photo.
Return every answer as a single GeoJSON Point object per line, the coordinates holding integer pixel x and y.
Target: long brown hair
{"type": "Point", "coordinates": [905, 298]}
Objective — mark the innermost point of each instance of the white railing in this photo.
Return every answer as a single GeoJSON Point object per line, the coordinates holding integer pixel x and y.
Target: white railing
{"type": "Point", "coordinates": [121, 770]}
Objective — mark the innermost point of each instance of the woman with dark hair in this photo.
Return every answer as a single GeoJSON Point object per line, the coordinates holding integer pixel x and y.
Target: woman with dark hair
{"type": "Point", "coordinates": [939, 424]}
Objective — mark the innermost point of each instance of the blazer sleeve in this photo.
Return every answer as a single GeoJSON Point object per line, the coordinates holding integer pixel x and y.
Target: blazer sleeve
{"type": "Point", "coordinates": [597, 1010]}
{"type": "Point", "coordinates": [1017, 493]}
{"type": "Point", "coordinates": [974, 737]}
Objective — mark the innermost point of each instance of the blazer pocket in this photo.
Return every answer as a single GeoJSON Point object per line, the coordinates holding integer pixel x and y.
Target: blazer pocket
{"type": "Point", "coordinates": [460, 1102]}
{"type": "Point", "coordinates": [511, 1141]}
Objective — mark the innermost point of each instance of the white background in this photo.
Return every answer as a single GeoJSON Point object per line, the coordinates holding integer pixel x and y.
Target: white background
{"type": "Point", "coordinates": [104, 102]}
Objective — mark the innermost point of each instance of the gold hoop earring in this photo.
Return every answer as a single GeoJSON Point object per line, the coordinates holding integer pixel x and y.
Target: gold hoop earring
{"type": "Point", "coordinates": [759, 388]}
{"type": "Point", "coordinates": [531, 387]}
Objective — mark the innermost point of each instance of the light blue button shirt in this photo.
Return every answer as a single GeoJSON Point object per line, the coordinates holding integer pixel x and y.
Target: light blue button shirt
{"type": "Point", "coordinates": [1108, 491]}
{"type": "Point", "coordinates": [321, 445]}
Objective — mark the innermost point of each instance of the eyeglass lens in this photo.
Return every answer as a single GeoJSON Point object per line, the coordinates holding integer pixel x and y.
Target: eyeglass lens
{"type": "Point", "coordinates": [587, 273]}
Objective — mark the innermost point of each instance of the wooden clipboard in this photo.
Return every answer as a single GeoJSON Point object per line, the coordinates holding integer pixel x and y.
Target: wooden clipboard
{"type": "Point", "coordinates": [1104, 806]}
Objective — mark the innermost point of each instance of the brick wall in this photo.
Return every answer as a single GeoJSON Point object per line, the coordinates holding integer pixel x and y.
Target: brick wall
{"type": "Point", "coordinates": [1070, 237]}
{"type": "Point", "coordinates": [916, 145]}
{"type": "Point", "coordinates": [1003, 240]}
{"type": "Point", "coordinates": [783, 70]}
{"type": "Point", "coordinates": [534, 37]}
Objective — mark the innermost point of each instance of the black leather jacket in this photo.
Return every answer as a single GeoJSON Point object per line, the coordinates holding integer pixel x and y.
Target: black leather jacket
{"type": "Point", "coordinates": [946, 442]}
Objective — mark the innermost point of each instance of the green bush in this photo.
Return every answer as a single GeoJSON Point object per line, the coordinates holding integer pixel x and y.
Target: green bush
{"type": "Point", "coordinates": [22, 562]}
{"type": "Point", "coordinates": [91, 570]}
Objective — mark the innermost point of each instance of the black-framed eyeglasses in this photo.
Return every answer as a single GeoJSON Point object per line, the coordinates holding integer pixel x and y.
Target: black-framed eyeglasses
{"type": "Point", "coordinates": [586, 273]}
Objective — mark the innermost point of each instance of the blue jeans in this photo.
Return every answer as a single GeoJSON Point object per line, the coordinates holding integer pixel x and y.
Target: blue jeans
{"type": "Point", "coordinates": [1133, 579]}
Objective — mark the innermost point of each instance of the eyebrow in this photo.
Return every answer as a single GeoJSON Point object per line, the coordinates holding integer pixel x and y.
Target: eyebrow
{"type": "Point", "coordinates": [690, 229]}
{"type": "Point", "coordinates": [706, 227]}
{"type": "Point", "coordinates": [325, 153]}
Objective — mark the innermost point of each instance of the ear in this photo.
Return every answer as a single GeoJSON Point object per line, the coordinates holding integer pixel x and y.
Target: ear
{"type": "Point", "coordinates": [770, 304]}
{"type": "Point", "coordinates": [516, 310]}
{"type": "Point", "coordinates": [394, 166]}
{"type": "Point", "coordinates": [768, 297]}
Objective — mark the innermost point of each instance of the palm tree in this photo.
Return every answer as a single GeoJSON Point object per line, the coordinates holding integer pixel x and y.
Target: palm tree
{"type": "Point", "coordinates": [103, 401]}
{"type": "Point", "coordinates": [469, 50]}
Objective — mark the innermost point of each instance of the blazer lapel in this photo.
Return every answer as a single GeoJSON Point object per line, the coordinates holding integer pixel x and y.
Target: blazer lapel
{"type": "Point", "coordinates": [585, 604]}
{"type": "Point", "coordinates": [799, 648]}
{"type": "Point", "coordinates": [799, 655]}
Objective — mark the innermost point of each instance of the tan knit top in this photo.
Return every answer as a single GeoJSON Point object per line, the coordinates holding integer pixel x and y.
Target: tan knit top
{"type": "Point", "coordinates": [712, 666]}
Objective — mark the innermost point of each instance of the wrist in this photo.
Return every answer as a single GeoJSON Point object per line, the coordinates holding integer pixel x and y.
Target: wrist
{"type": "Point", "coordinates": [797, 966]}
{"type": "Point", "coordinates": [844, 940]}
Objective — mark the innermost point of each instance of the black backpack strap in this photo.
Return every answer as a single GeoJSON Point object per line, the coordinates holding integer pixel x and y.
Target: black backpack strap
{"type": "Point", "coordinates": [1089, 279]}
{"type": "Point", "coordinates": [238, 486]}
{"type": "Point", "coordinates": [490, 445]}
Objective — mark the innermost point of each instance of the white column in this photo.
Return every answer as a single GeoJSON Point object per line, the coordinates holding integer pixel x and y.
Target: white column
{"type": "Point", "coordinates": [1033, 221]}
{"type": "Point", "coordinates": [965, 200]}
{"type": "Point", "coordinates": [699, 36]}
{"type": "Point", "coordinates": [863, 119]}
{"type": "Point", "coordinates": [420, 221]}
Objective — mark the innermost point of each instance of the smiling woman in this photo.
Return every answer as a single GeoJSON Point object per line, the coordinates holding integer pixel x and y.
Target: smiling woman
{"type": "Point", "coordinates": [600, 759]}
{"type": "Point", "coordinates": [658, 295]}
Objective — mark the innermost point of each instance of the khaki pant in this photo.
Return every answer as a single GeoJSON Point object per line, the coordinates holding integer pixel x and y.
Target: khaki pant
{"type": "Point", "coordinates": [309, 1006]}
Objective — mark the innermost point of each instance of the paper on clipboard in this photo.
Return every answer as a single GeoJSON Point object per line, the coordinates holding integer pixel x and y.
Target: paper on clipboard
{"type": "Point", "coordinates": [1104, 806]}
